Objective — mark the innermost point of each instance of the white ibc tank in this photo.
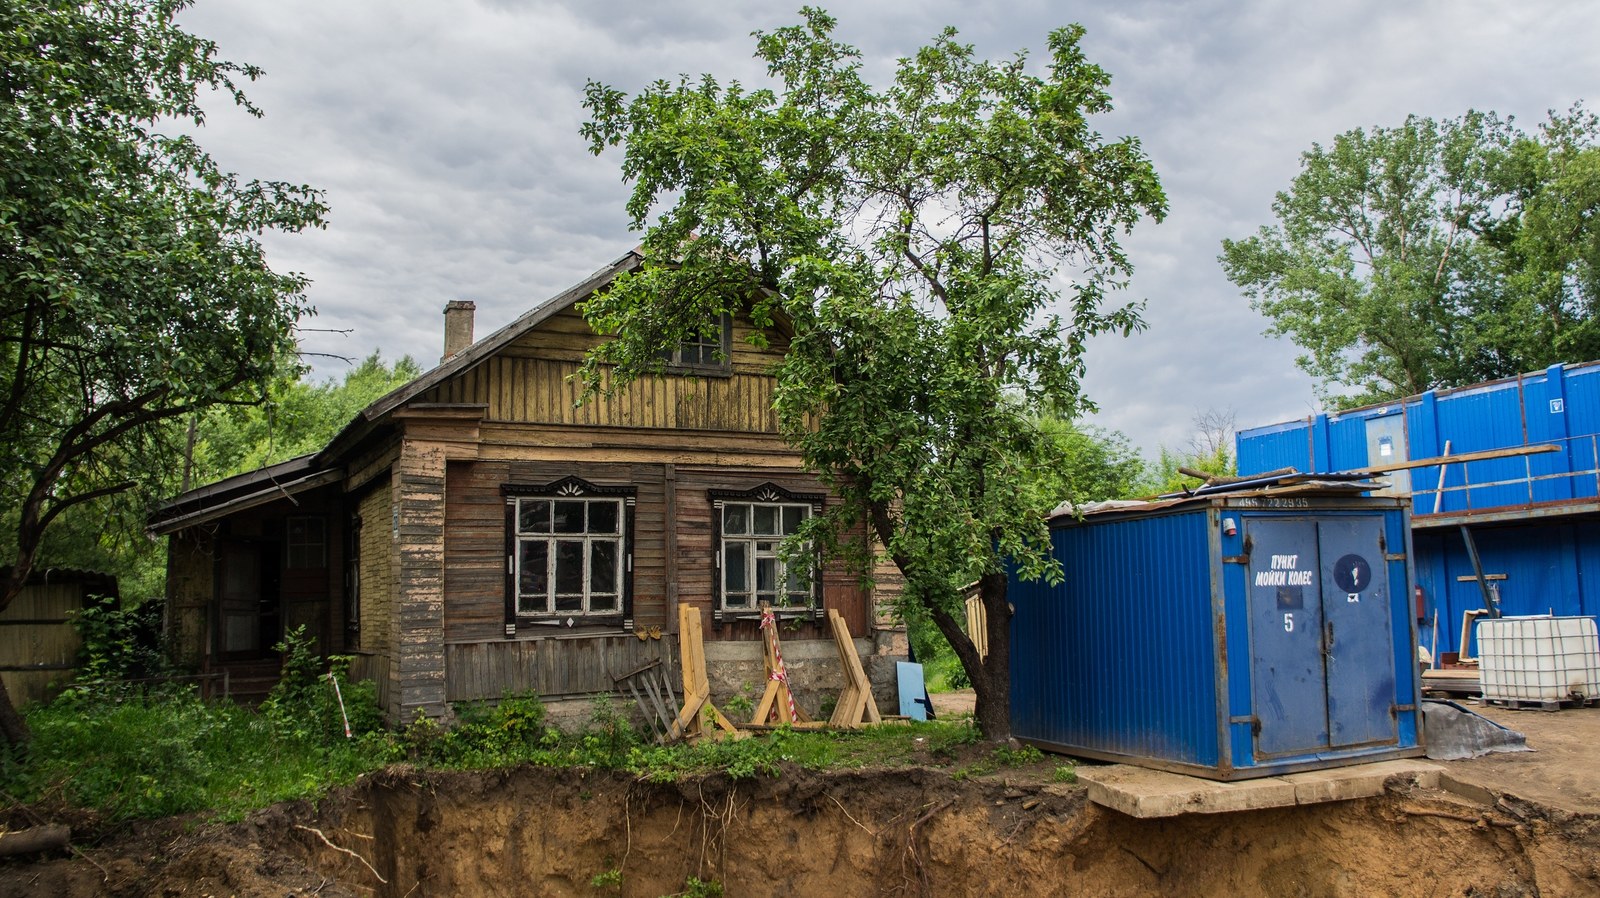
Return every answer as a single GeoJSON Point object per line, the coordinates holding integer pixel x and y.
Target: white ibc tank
{"type": "Point", "coordinates": [1539, 658]}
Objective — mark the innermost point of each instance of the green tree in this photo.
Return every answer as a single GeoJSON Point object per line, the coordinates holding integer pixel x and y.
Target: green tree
{"type": "Point", "coordinates": [911, 238]}
{"type": "Point", "coordinates": [1433, 254]}
{"type": "Point", "coordinates": [136, 289]}
{"type": "Point", "coordinates": [1551, 237]}
{"type": "Point", "coordinates": [1093, 464]}
{"type": "Point", "coordinates": [299, 416]}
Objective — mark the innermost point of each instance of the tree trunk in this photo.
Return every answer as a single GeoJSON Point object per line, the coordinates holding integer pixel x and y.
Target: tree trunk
{"type": "Point", "coordinates": [12, 727]}
{"type": "Point", "coordinates": [992, 681]}
{"type": "Point", "coordinates": [991, 677]}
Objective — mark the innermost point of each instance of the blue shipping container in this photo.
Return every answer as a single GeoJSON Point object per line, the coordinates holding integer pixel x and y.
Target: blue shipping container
{"type": "Point", "coordinates": [1534, 519]}
{"type": "Point", "coordinates": [1227, 636]}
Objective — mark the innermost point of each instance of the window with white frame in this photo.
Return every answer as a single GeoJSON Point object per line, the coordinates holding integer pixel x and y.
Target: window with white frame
{"type": "Point", "coordinates": [708, 350]}
{"type": "Point", "coordinates": [569, 555]}
{"type": "Point", "coordinates": [751, 562]}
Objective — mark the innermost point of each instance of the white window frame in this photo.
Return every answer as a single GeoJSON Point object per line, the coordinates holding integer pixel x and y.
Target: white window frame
{"type": "Point", "coordinates": [750, 549]}
{"type": "Point", "coordinates": [720, 348]}
{"type": "Point", "coordinates": [547, 602]}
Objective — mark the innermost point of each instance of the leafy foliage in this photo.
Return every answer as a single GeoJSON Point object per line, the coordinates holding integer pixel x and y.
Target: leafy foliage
{"type": "Point", "coordinates": [119, 644]}
{"type": "Point", "coordinates": [136, 290]}
{"type": "Point", "coordinates": [496, 734]}
{"type": "Point", "coordinates": [1433, 254]}
{"type": "Point", "coordinates": [164, 751]}
{"type": "Point", "coordinates": [299, 415]}
{"type": "Point", "coordinates": [910, 238]}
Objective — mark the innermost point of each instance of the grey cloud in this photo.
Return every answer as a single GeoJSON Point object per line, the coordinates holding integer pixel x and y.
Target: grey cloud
{"type": "Point", "coordinates": [446, 136]}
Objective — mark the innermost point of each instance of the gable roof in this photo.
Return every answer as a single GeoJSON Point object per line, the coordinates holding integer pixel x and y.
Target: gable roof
{"type": "Point", "coordinates": [479, 351]}
{"type": "Point", "coordinates": [307, 471]}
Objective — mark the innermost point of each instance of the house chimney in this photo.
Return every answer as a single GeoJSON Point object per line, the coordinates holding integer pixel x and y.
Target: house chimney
{"type": "Point", "coordinates": [457, 327]}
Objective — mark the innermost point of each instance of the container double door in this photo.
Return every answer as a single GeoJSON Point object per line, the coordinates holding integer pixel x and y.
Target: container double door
{"type": "Point", "coordinates": [1321, 637]}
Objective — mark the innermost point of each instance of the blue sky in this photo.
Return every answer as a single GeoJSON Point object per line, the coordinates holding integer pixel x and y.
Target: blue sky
{"type": "Point", "coordinates": [446, 136]}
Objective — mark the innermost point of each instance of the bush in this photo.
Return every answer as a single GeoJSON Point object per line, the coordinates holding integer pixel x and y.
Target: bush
{"type": "Point", "coordinates": [165, 751]}
{"type": "Point", "coordinates": [486, 734]}
{"type": "Point", "coordinates": [119, 644]}
{"type": "Point", "coordinates": [305, 703]}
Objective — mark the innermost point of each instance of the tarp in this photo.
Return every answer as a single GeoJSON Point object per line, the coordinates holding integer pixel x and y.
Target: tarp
{"type": "Point", "coordinates": [1456, 732]}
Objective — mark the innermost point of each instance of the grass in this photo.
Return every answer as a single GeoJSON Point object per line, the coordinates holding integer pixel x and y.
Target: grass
{"type": "Point", "coordinates": [166, 753]}
{"type": "Point", "coordinates": [170, 753]}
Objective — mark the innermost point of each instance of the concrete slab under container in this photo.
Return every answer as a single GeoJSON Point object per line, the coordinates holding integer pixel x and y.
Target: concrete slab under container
{"type": "Point", "coordinates": [1143, 792]}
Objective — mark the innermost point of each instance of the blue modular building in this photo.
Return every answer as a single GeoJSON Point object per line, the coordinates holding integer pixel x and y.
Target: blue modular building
{"type": "Point", "coordinates": [1255, 630]}
{"type": "Point", "coordinates": [1533, 519]}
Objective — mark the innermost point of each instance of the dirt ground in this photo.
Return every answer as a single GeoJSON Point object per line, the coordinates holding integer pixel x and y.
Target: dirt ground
{"type": "Point", "coordinates": [1534, 830]}
{"type": "Point", "coordinates": [1562, 771]}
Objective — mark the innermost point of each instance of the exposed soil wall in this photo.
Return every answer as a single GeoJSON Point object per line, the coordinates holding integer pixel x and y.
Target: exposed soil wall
{"type": "Point", "coordinates": [896, 833]}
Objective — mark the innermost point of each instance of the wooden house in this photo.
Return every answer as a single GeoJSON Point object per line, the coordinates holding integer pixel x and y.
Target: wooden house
{"type": "Point", "coordinates": [478, 531]}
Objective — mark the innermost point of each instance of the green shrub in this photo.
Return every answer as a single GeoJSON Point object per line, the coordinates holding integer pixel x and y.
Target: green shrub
{"type": "Point", "coordinates": [1007, 756]}
{"type": "Point", "coordinates": [167, 752]}
{"type": "Point", "coordinates": [695, 887]}
{"type": "Point", "coordinates": [311, 701]}
{"type": "Point", "coordinates": [608, 881]}
{"type": "Point", "coordinates": [609, 739]}
{"type": "Point", "coordinates": [119, 644]}
{"type": "Point", "coordinates": [486, 734]}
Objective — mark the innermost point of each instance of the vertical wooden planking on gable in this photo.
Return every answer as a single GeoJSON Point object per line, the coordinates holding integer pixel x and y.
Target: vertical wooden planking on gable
{"type": "Point", "coordinates": [504, 381]}
{"type": "Point", "coordinates": [533, 390]}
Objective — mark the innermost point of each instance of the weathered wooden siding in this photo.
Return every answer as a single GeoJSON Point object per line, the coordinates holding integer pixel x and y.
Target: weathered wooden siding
{"type": "Point", "coordinates": [416, 671]}
{"type": "Point", "coordinates": [673, 550]}
{"type": "Point", "coordinates": [532, 381]}
{"type": "Point", "coordinates": [377, 573]}
{"type": "Point", "coordinates": [191, 573]}
{"type": "Point", "coordinates": [475, 535]}
{"type": "Point", "coordinates": [697, 558]}
{"type": "Point", "coordinates": [553, 667]}
{"type": "Point", "coordinates": [38, 645]}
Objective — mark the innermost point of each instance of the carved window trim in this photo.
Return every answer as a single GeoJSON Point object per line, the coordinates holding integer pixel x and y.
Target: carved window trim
{"type": "Point", "coordinates": [766, 494]}
{"type": "Point", "coordinates": [571, 487]}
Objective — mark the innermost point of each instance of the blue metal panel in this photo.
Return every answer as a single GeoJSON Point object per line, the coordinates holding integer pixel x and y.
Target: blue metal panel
{"type": "Point", "coordinates": [1120, 657]}
{"type": "Point", "coordinates": [1488, 417]}
{"type": "Point", "coordinates": [1321, 455]}
{"type": "Point", "coordinates": [1586, 550]}
{"type": "Point", "coordinates": [1403, 632]}
{"type": "Point", "coordinates": [1360, 645]}
{"type": "Point", "coordinates": [1286, 670]}
{"type": "Point", "coordinates": [1545, 418]}
{"type": "Point", "coordinates": [1424, 441]}
{"type": "Point", "coordinates": [1582, 391]}
{"type": "Point", "coordinates": [1347, 442]}
{"type": "Point", "coordinates": [1270, 448]}
{"type": "Point", "coordinates": [1550, 567]}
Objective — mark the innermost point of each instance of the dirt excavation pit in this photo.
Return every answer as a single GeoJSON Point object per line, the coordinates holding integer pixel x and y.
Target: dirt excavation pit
{"type": "Point", "coordinates": [913, 832]}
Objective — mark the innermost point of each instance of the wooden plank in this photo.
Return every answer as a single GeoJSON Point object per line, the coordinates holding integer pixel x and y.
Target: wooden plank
{"type": "Point", "coordinates": [856, 704]}
{"type": "Point", "coordinates": [1461, 458]}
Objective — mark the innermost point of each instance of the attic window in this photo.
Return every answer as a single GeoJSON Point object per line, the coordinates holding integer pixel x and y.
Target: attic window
{"type": "Point", "coordinates": [709, 351]}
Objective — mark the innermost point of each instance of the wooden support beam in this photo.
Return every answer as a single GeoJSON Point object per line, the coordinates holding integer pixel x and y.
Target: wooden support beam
{"type": "Point", "coordinates": [1462, 458]}
{"type": "Point", "coordinates": [697, 706]}
{"type": "Point", "coordinates": [777, 700]}
{"type": "Point", "coordinates": [856, 705]}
